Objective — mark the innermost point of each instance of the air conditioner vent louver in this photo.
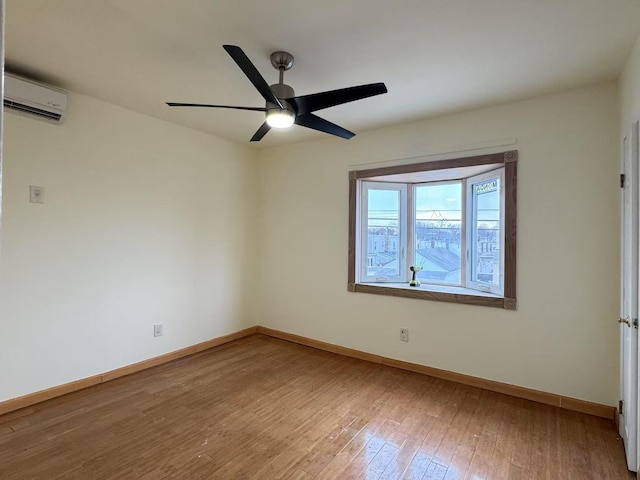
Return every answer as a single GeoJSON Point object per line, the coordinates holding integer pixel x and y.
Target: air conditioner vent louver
{"type": "Point", "coordinates": [36, 100]}
{"type": "Point", "coordinates": [31, 110]}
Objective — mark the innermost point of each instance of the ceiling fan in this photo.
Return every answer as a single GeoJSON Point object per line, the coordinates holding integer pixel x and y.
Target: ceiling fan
{"type": "Point", "coordinates": [283, 108]}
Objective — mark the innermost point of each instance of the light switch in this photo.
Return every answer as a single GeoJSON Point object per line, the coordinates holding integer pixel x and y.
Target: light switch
{"type": "Point", "coordinates": [36, 194]}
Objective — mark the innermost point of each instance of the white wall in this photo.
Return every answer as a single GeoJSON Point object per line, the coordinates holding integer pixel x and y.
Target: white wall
{"type": "Point", "coordinates": [563, 338]}
{"type": "Point", "coordinates": [630, 89]}
{"type": "Point", "coordinates": [143, 222]}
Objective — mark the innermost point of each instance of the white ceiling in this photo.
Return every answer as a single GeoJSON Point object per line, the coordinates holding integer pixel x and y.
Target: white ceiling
{"type": "Point", "coordinates": [435, 56]}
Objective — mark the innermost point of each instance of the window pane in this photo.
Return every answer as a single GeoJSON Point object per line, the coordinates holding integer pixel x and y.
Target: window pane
{"type": "Point", "coordinates": [437, 232]}
{"type": "Point", "coordinates": [383, 233]}
{"type": "Point", "coordinates": [485, 245]}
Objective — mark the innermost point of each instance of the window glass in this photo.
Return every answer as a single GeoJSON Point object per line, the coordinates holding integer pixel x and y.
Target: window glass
{"type": "Point", "coordinates": [486, 238]}
{"type": "Point", "coordinates": [383, 233]}
{"type": "Point", "coordinates": [437, 232]}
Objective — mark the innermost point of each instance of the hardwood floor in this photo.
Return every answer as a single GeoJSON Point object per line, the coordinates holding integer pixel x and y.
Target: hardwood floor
{"type": "Point", "coordinates": [262, 408]}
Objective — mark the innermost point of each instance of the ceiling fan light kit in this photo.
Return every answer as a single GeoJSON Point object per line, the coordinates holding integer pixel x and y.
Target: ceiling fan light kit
{"type": "Point", "coordinates": [280, 118]}
{"type": "Point", "coordinates": [282, 108]}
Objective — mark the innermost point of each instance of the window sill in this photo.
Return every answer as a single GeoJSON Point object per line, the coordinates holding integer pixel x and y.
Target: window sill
{"type": "Point", "coordinates": [437, 293]}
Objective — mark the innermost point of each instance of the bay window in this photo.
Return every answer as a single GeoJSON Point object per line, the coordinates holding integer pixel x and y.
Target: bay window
{"type": "Point", "coordinates": [452, 221]}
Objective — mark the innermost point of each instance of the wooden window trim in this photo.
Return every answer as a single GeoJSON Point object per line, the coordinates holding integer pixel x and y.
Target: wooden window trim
{"type": "Point", "coordinates": [509, 161]}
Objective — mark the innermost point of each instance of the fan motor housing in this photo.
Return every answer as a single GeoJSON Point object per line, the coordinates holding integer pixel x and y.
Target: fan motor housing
{"type": "Point", "coordinates": [287, 106]}
{"type": "Point", "coordinates": [282, 90]}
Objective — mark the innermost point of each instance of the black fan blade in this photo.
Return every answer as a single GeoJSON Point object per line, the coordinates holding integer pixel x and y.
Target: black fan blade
{"type": "Point", "coordinates": [262, 131]}
{"type": "Point", "coordinates": [309, 120]}
{"type": "Point", "coordinates": [252, 73]}
{"type": "Point", "coordinates": [176, 104]}
{"type": "Point", "coordinates": [318, 101]}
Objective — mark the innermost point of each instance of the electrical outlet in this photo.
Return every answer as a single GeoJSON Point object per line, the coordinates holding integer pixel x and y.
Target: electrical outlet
{"type": "Point", "coordinates": [157, 330]}
{"type": "Point", "coordinates": [404, 334]}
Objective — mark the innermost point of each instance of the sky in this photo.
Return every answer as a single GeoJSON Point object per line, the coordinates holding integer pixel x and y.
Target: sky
{"type": "Point", "coordinates": [436, 201]}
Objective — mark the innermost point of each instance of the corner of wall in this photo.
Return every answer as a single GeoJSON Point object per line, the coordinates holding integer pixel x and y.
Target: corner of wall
{"type": "Point", "coordinates": [629, 88]}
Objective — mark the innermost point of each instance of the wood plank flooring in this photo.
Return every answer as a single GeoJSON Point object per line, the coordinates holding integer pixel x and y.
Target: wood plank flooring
{"type": "Point", "coordinates": [262, 408]}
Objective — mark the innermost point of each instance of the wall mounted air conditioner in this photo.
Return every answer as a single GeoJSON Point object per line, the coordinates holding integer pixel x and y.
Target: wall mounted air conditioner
{"type": "Point", "coordinates": [33, 99]}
